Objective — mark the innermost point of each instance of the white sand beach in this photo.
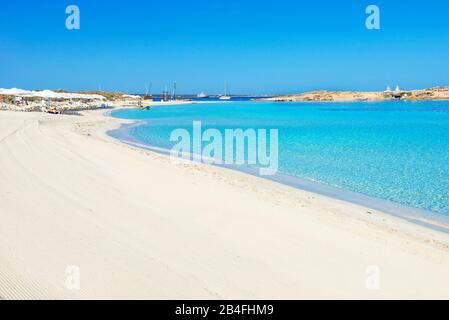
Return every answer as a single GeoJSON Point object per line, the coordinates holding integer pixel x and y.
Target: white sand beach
{"type": "Point", "coordinates": [139, 226]}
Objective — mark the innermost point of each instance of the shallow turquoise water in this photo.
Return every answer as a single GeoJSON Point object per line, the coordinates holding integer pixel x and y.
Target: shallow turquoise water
{"type": "Point", "coordinates": [398, 151]}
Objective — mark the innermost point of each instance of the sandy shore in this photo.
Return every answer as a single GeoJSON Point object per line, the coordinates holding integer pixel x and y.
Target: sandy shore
{"type": "Point", "coordinates": [137, 225]}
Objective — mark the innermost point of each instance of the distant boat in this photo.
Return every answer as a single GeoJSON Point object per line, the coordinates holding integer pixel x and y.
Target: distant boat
{"type": "Point", "coordinates": [202, 95]}
{"type": "Point", "coordinates": [226, 95]}
{"type": "Point", "coordinates": [148, 96]}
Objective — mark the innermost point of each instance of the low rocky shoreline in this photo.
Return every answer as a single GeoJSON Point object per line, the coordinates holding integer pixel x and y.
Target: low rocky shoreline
{"type": "Point", "coordinates": [436, 93]}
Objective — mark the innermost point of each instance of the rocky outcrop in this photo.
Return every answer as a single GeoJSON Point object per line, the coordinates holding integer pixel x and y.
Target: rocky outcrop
{"type": "Point", "coordinates": [437, 93]}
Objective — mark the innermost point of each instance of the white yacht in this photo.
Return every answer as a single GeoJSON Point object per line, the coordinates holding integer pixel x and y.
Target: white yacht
{"type": "Point", "coordinates": [202, 95]}
{"type": "Point", "coordinates": [226, 95]}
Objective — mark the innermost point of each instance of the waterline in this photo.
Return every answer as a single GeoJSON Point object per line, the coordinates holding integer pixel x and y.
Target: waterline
{"type": "Point", "coordinates": [421, 217]}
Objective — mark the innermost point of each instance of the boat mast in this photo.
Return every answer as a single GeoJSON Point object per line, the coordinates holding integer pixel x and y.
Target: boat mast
{"type": "Point", "coordinates": [226, 93]}
{"type": "Point", "coordinates": [174, 90]}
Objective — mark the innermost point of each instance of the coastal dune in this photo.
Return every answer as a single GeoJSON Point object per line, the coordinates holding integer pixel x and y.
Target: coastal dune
{"type": "Point", "coordinates": [132, 224]}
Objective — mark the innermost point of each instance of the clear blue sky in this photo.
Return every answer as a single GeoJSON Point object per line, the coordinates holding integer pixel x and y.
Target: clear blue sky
{"type": "Point", "coordinates": [257, 46]}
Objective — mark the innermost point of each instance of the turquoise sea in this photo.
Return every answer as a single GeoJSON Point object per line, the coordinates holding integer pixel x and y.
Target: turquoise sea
{"type": "Point", "coordinates": [396, 151]}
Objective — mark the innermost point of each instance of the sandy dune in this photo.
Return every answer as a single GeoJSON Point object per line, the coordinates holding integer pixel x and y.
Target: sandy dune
{"type": "Point", "coordinates": [139, 226]}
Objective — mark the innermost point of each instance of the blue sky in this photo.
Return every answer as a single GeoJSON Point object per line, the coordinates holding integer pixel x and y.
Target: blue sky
{"type": "Point", "coordinates": [257, 46]}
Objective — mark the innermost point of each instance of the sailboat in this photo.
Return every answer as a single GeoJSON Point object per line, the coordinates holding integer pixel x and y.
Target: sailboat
{"type": "Point", "coordinates": [226, 95]}
{"type": "Point", "coordinates": [148, 96]}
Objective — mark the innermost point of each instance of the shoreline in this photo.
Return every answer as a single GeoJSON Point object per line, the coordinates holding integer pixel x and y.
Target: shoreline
{"type": "Point", "coordinates": [427, 218]}
{"type": "Point", "coordinates": [428, 94]}
{"type": "Point", "coordinates": [142, 227]}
